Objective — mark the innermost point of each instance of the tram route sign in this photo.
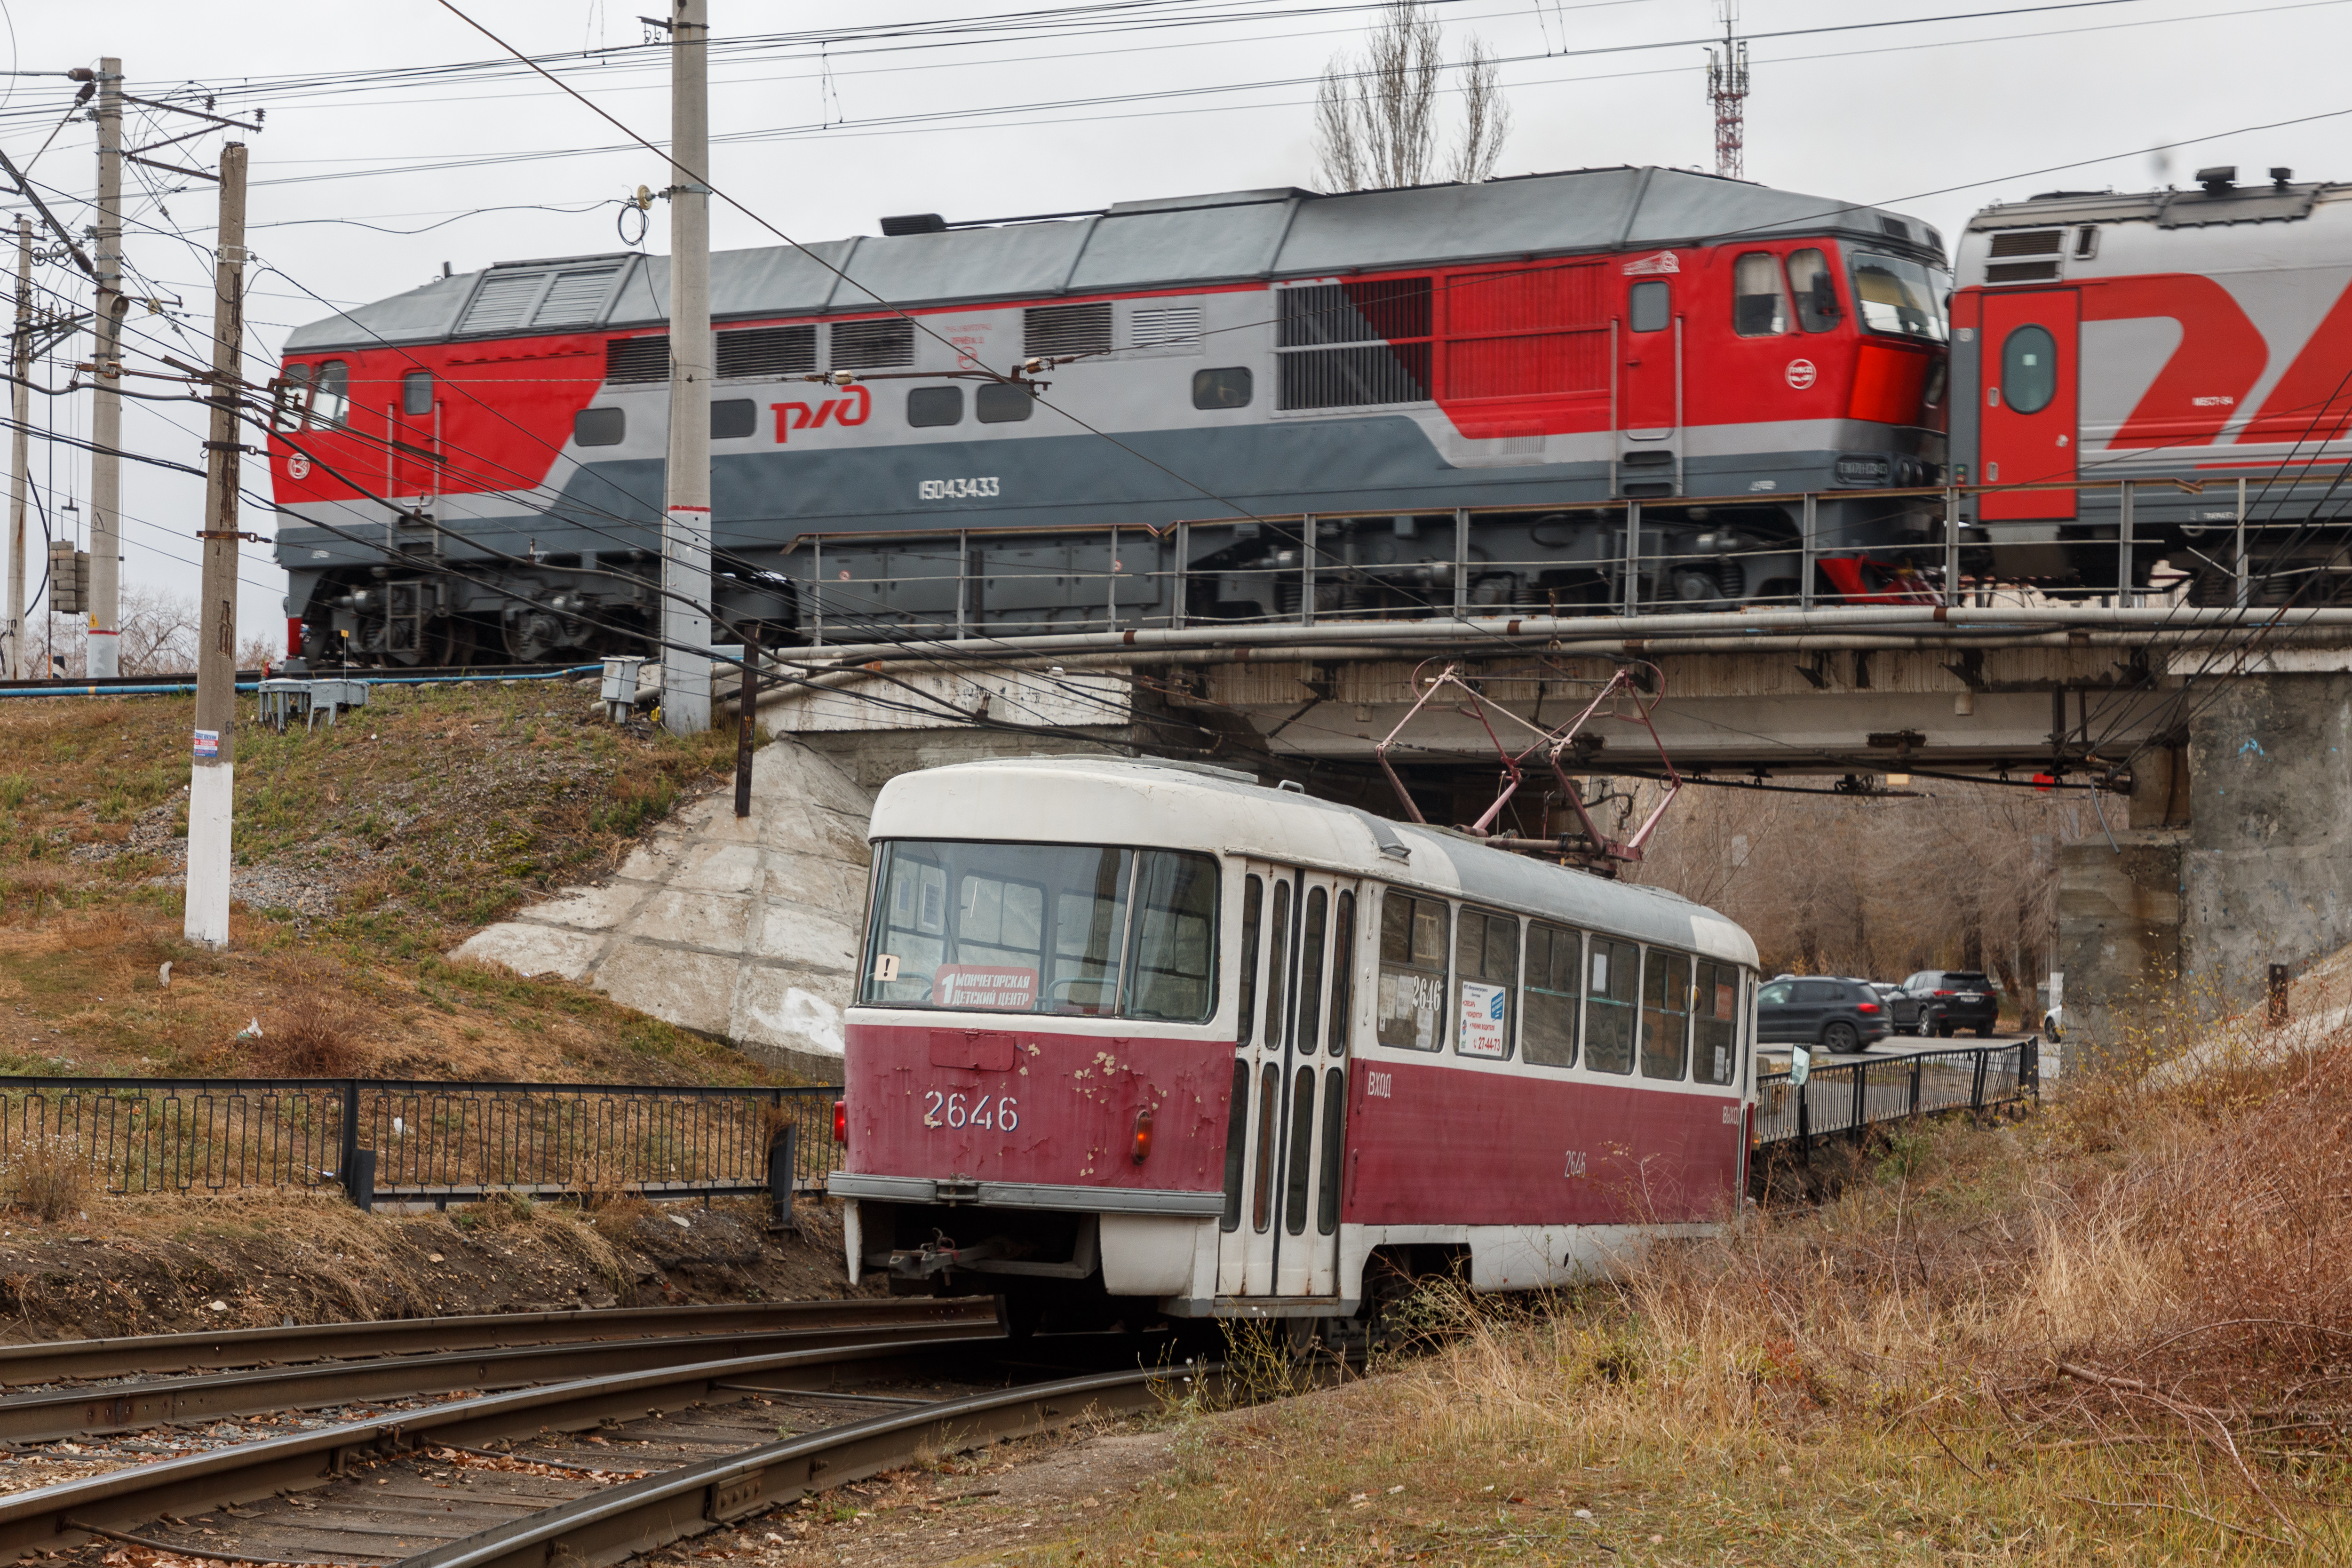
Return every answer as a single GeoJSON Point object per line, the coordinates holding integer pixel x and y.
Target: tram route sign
{"type": "Point", "coordinates": [984, 985]}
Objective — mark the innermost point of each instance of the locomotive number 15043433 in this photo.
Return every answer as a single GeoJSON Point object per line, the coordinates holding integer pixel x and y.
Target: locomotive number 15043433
{"type": "Point", "coordinates": [997, 1112]}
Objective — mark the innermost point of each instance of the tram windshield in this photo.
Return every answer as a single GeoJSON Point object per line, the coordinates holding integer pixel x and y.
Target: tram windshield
{"type": "Point", "coordinates": [1900, 296]}
{"type": "Point", "coordinates": [1044, 928]}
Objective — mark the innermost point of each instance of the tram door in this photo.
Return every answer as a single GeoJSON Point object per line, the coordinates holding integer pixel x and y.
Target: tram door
{"type": "Point", "coordinates": [1299, 935]}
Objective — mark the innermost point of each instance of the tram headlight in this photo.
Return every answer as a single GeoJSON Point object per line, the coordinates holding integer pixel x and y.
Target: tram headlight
{"type": "Point", "coordinates": [1143, 1135]}
{"type": "Point", "coordinates": [841, 1122]}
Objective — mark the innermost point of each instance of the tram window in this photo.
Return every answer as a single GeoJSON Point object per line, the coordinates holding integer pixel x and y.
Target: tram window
{"type": "Point", "coordinates": [1270, 1106]}
{"type": "Point", "coordinates": [927, 405]}
{"type": "Point", "coordinates": [1650, 305]}
{"type": "Point", "coordinates": [1326, 1194]}
{"type": "Point", "coordinates": [1487, 974]}
{"type": "Point", "coordinates": [1665, 1014]}
{"type": "Point", "coordinates": [2029, 369]}
{"type": "Point", "coordinates": [1714, 1024]}
{"type": "Point", "coordinates": [1003, 403]}
{"type": "Point", "coordinates": [1302, 1146]}
{"type": "Point", "coordinates": [1278, 966]}
{"type": "Point", "coordinates": [417, 394]}
{"type": "Point", "coordinates": [600, 427]}
{"type": "Point", "coordinates": [1236, 1148]}
{"type": "Point", "coordinates": [1226, 388]}
{"type": "Point", "coordinates": [1816, 291]}
{"type": "Point", "coordinates": [1548, 1030]}
{"type": "Point", "coordinates": [1089, 924]}
{"type": "Point", "coordinates": [1310, 969]}
{"type": "Point", "coordinates": [1252, 894]}
{"type": "Point", "coordinates": [1612, 973]}
{"type": "Point", "coordinates": [1410, 1004]}
{"type": "Point", "coordinates": [1760, 307]}
{"type": "Point", "coordinates": [1172, 968]}
{"type": "Point", "coordinates": [1343, 973]}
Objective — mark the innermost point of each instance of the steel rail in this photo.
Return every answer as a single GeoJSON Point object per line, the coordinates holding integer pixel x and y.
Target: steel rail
{"type": "Point", "coordinates": [620, 1521]}
{"type": "Point", "coordinates": [124, 1407]}
{"type": "Point", "coordinates": [54, 1361]}
{"type": "Point", "coordinates": [121, 1499]}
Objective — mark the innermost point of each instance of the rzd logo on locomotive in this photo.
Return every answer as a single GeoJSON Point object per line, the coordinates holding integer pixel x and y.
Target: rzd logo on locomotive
{"type": "Point", "coordinates": [850, 410]}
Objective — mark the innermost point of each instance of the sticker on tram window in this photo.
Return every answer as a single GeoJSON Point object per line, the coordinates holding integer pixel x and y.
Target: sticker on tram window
{"type": "Point", "coordinates": [1727, 1000]}
{"type": "Point", "coordinates": [983, 985]}
{"type": "Point", "coordinates": [1484, 1020]}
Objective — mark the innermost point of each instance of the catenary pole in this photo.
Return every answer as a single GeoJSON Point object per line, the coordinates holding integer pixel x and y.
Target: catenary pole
{"type": "Point", "coordinates": [212, 784]}
{"type": "Point", "coordinates": [106, 402]}
{"type": "Point", "coordinates": [686, 500]}
{"type": "Point", "coordinates": [20, 358]}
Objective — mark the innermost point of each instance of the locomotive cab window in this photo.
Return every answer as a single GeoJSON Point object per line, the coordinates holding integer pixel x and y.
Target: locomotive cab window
{"type": "Point", "coordinates": [1650, 305]}
{"type": "Point", "coordinates": [1226, 388]}
{"type": "Point", "coordinates": [1898, 296]}
{"type": "Point", "coordinates": [1613, 976]}
{"type": "Point", "coordinates": [1810, 280]}
{"type": "Point", "coordinates": [1760, 307]}
{"type": "Point", "coordinates": [1547, 1029]}
{"type": "Point", "coordinates": [1411, 998]}
{"type": "Point", "coordinates": [1487, 975]}
{"type": "Point", "coordinates": [2029, 369]}
{"type": "Point", "coordinates": [1044, 928]}
{"type": "Point", "coordinates": [929, 405]}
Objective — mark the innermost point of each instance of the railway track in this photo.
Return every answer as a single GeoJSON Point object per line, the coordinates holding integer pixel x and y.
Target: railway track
{"type": "Point", "coordinates": [587, 1467]}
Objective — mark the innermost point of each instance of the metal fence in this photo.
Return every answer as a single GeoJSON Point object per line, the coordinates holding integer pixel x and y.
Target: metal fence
{"type": "Point", "coordinates": [415, 1141]}
{"type": "Point", "coordinates": [1851, 1095]}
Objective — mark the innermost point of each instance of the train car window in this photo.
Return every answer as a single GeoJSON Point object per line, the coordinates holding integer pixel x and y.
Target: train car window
{"type": "Point", "coordinates": [1252, 895]}
{"type": "Point", "coordinates": [1277, 964]}
{"type": "Point", "coordinates": [927, 405]}
{"type": "Point", "coordinates": [1269, 1112]}
{"type": "Point", "coordinates": [1612, 974]}
{"type": "Point", "coordinates": [1650, 305]}
{"type": "Point", "coordinates": [1714, 1024]}
{"type": "Point", "coordinates": [2029, 369]}
{"type": "Point", "coordinates": [1090, 928]}
{"type": "Point", "coordinates": [884, 344]}
{"type": "Point", "coordinates": [732, 418]}
{"type": "Point", "coordinates": [1665, 1014]}
{"type": "Point", "coordinates": [1411, 1003]}
{"type": "Point", "coordinates": [1487, 974]}
{"type": "Point", "coordinates": [1326, 1197]}
{"type": "Point", "coordinates": [1343, 974]}
{"type": "Point", "coordinates": [1172, 967]}
{"type": "Point", "coordinates": [330, 399]}
{"type": "Point", "coordinates": [600, 427]}
{"type": "Point", "coordinates": [1816, 290]}
{"type": "Point", "coordinates": [1898, 295]}
{"type": "Point", "coordinates": [1236, 1148]}
{"type": "Point", "coordinates": [1227, 388]}
{"type": "Point", "coordinates": [1001, 403]}
{"type": "Point", "coordinates": [1760, 305]}
{"type": "Point", "coordinates": [1302, 1144]}
{"type": "Point", "coordinates": [1310, 969]}
{"type": "Point", "coordinates": [417, 394]}
{"type": "Point", "coordinates": [1547, 1025]}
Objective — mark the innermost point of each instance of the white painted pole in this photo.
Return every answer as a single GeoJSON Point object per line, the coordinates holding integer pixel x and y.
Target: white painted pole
{"type": "Point", "coordinates": [686, 498]}
{"type": "Point", "coordinates": [106, 399]}
{"type": "Point", "coordinates": [20, 656]}
{"type": "Point", "coordinates": [212, 784]}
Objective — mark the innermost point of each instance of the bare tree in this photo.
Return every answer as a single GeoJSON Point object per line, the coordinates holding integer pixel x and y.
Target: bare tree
{"type": "Point", "coordinates": [1375, 114]}
{"type": "Point", "coordinates": [158, 632]}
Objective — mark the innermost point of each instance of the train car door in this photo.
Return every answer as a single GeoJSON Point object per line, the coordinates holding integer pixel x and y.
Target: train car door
{"type": "Point", "coordinates": [414, 420]}
{"type": "Point", "coordinates": [1650, 376]}
{"type": "Point", "coordinates": [2031, 413]}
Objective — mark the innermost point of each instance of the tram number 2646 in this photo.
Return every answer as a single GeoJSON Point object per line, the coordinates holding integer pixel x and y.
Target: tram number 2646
{"type": "Point", "coordinates": [999, 1112]}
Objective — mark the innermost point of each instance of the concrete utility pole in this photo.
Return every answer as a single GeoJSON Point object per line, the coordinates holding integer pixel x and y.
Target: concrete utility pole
{"type": "Point", "coordinates": [20, 358]}
{"type": "Point", "coordinates": [106, 405]}
{"type": "Point", "coordinates": [686, 498]}
{"type": "Point", "coordinates": [212, 785]}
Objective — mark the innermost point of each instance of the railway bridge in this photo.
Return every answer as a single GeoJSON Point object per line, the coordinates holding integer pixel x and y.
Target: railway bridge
{"type": "Point", "coordinates": [2209, 745]}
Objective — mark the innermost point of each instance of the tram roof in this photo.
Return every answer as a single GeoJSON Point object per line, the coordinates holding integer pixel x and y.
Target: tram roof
{"type": "Point", "coordinates": [1147, 802]}
{"type": "Point", "coordinates": [1227, 238]}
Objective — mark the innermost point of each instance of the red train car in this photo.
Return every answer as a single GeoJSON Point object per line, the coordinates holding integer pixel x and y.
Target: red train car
{"type": "Point", "coordinates": [1139, 1035]}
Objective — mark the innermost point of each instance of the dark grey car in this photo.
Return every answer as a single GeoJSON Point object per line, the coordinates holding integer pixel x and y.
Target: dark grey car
{"type": "Point", "coordinates": [1956, 999]}
{"type": "Point", "coordinates": [1839, 1015]}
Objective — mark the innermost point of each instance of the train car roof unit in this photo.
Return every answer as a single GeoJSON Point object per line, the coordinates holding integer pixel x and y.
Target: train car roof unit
{"type": "Point", "coordinates": [1236, 237]}
{"type": "Point", "coordinates": [2220, 202]}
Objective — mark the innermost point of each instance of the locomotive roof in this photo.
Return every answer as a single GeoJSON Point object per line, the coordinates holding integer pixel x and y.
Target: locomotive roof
{"type": "Point", "coordinates": [1234, 237]}
{"type": "Point", "coordinates": [1131, 801]}
{"type": "Point", "coordinates": [2264, 202]}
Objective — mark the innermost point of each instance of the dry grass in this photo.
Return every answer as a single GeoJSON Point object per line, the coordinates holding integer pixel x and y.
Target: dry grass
{"type": "Point", "coordinates": [50, 1175]}
{"type": "Point", "coordinates": [317, 1034]}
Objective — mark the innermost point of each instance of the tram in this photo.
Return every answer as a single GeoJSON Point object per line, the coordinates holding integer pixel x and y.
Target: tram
{"type": "Point", "coordinates": [1138, 1036]}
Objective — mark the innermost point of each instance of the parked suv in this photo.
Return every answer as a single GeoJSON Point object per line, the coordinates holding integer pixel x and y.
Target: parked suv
{"type": "Point", "coordinates": [1905, 1014]}
{"type": "Point", "coordinates": [1955, 999]}
{"type": "Point", "coordinates": [1841, 1016]}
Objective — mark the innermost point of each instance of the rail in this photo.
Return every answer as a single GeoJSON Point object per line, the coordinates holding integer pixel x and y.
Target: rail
{"type": "Point", "coordinates": [1847, 1096]}
{"type": "Point", "coordinates": [414, 1141]}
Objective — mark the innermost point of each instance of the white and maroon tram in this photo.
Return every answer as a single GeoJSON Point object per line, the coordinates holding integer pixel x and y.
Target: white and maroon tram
{"type": "Point", "coordinates": [1136, 1029]}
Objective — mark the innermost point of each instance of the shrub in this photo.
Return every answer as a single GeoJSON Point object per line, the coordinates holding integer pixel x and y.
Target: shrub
{"type": "Point", "coordinates": [50, 1174]}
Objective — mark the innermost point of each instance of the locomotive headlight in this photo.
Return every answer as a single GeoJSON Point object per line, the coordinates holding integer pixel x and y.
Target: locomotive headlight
{"type": "Point", "coordinates": [1142, 1135]}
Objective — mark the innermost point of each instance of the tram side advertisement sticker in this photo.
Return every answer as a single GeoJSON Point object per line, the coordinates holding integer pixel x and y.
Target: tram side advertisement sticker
{"type": "Point", "coordinates": [984, 985]}
{"type": "Point", "coordinates": [1482, 1031]}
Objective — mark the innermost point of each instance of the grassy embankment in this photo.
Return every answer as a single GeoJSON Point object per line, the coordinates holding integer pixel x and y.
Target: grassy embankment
{"type": "Point", "coordinates": [364, 851]}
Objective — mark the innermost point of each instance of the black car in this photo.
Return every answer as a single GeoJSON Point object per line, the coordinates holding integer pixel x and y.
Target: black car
{"type": "Point", "coordinates": [1905, 1014]}
{"type": "Point", "coordinates": [1953, 999]}
{"type": "Point", "coordinates": [1839, 1015]}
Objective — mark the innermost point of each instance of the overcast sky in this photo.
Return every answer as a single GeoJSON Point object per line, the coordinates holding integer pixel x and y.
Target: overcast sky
{"type": "Point", "coordinates": [1936, 119]}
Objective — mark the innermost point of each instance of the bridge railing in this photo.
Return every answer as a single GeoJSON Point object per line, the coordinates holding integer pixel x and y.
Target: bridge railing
{"type": "Point", "coordinates": [1849, 1097]}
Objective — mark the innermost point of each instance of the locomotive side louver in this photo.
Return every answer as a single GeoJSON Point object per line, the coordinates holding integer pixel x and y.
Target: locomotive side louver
{"type": "Point", "coordinates": [2027, 242]}
{"type": "Point", "coordinates": [575, 299]}
{"type": "Point", "coordinates": [2022, 272]}
{"type": "Point", "coordinates": [882, 344]}
{"type": "Point", "coordinates": [766, 352]}
{"type": "Point", "coordinates": [637, 359]}
{"type": "Point", "coordinates": [1051, 331]}
{"type": "Point", "coordinates": [502, 302]}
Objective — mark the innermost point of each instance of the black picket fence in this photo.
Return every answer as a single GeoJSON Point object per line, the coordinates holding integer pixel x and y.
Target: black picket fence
{"type": "Point", "coordinates": [1851, 1095]}
{"type": "Point", "coordinates": [417, 1140]}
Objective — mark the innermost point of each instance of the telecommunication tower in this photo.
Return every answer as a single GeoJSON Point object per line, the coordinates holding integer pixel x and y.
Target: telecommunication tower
{"type": "Point", "coordinates": [1727, 90]}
